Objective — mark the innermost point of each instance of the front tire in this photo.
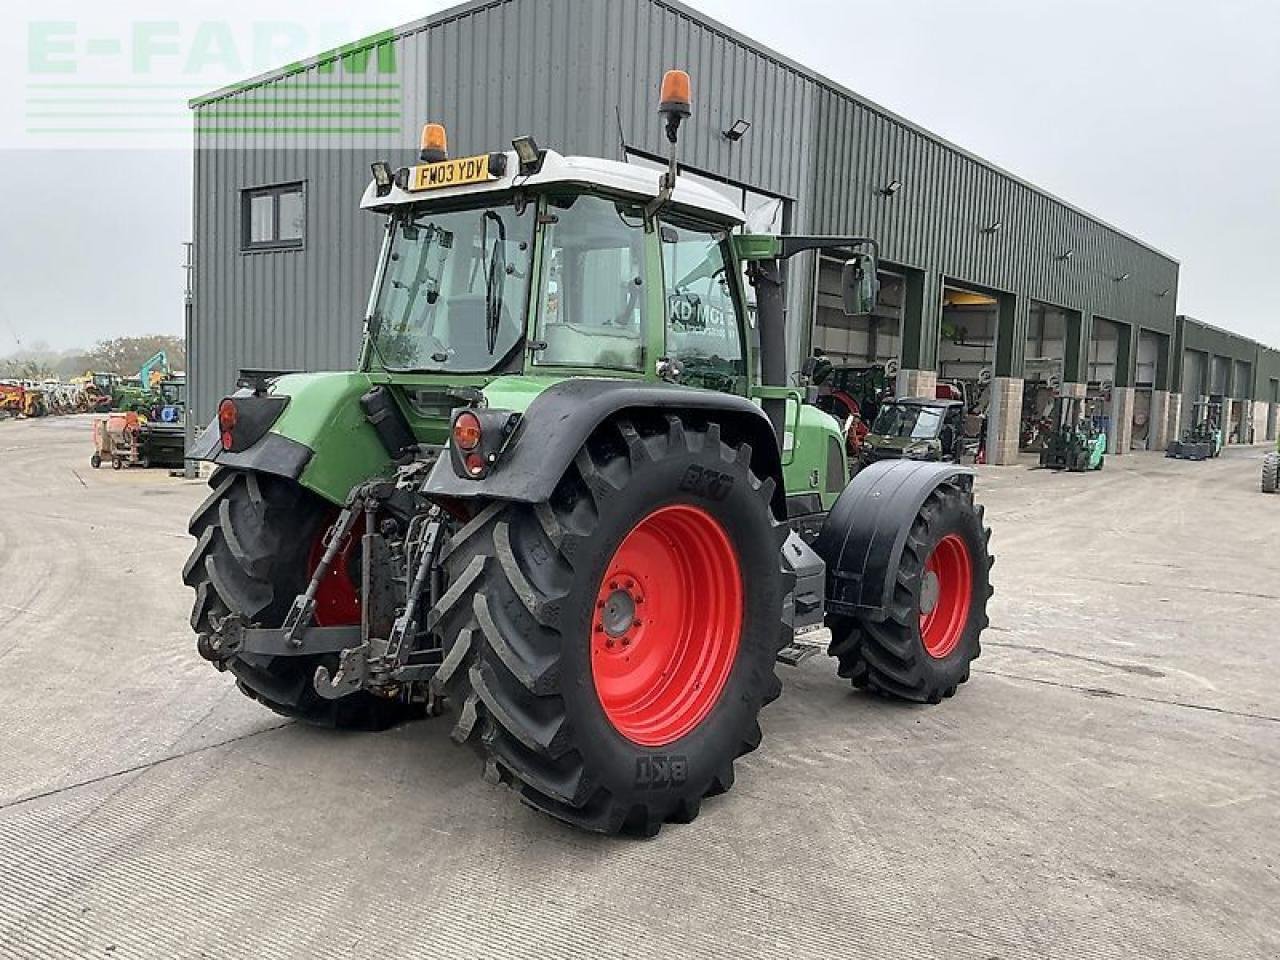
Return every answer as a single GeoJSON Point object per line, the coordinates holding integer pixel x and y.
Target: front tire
{"type": "Point", "coordinates": [1271, 473]}
{"type": "Point", "coordinates": [255, 540]}
{"type": "Point", "coordinates": [611, 649]}
{"type": "Point", "coordinates": [922, 650]}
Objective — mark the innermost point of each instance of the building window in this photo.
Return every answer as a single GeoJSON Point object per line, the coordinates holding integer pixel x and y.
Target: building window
{"type": "Point", "coordinates": [273, 218]}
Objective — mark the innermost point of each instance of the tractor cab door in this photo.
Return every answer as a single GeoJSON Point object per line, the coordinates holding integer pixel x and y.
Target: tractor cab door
{"type": "Point", "coordinates": [703, 308]}
{"type": "Point", "coordinates": [593, 305]}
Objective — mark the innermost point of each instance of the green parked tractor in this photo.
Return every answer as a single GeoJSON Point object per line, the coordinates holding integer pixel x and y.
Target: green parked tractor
{"type": "Point", "coordinates": [556, 498]}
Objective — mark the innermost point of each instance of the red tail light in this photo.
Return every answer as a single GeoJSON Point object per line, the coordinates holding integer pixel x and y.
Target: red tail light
{"type": "Point", "coordinates": [227, 417]}
{"type": "Point", "coordinates": [466, 431]}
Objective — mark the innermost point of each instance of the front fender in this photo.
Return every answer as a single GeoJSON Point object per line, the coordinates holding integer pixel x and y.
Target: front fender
{"type": "Point", "coordinates": [862, 540]}
{"type": "Point", "coordinates": [559, 420]}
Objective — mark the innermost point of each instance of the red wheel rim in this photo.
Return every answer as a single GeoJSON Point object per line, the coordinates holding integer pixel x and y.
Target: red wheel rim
{"type": "Point", "coordinates": [338, 599]}
{"type": "Point", "coordinates": [666, 625]}
{"type": "Point", "coordinates": [945, 596]}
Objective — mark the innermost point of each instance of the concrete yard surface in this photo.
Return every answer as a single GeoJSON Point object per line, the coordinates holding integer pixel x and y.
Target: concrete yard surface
{"type": "Point", "coordinates": [1106, 785]}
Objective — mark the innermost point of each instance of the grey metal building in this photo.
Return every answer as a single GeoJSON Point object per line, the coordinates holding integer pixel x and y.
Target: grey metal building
{"type": "Point", "coordinates": [983, 270]}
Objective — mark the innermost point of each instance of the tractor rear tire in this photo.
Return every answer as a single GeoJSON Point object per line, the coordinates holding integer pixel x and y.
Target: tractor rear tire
{"type": "Point", "coordinates": [922, 650]}
{"type": "Point", "coordinates": [253, 535]}
{"type": "Point", "coordinates": [610, 650]}
{"type": "Point", "coordinates": [1271, 473]}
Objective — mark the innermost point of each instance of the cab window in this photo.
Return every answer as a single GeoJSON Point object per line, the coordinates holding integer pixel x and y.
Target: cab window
{"type": "Point", "coordinates": [592, 308]}
{"type": "Point", "coordinates": [703, 332]}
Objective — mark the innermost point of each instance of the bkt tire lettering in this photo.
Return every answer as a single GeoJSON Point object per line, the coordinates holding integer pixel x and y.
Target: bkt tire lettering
{"type": "Point", "coordinates": [659, 772]}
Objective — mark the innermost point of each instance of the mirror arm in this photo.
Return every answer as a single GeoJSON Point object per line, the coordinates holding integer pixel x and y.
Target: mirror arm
{"type": "Point", "coordinates": [791, 245]}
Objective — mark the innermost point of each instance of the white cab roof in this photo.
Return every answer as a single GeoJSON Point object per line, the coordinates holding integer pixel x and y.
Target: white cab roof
{"type": "Point", "coordinates": [611, 174]}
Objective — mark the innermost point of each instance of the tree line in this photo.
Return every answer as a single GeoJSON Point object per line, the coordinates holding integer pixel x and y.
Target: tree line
{"type": "Point", "coordinates": [121, 355]}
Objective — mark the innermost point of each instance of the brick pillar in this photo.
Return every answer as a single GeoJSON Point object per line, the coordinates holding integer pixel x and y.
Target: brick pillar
{"type": "Point", "coordinates": [1173, 430]}
{"type": "Point", "coordinates": [1259, 421]}
{"type": "Point", "coordinates": [1121, 421]}
{"type": "Point", "coordinates": [916, 383]}
{"type": "Point", "coordinates": [1004, 420]}
{"type": "Point", "coordinates": [1158, 432]}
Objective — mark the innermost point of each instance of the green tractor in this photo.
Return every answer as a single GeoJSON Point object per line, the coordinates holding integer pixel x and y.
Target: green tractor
{"type": "Point", "coordinates": [1271, 471]}
{"type": "Point", "coordinates": [556, 498]}
{"type": "Point", "coordinates": [1203, 439]}
{"type": "Point", "coordinates": [1072, 442]}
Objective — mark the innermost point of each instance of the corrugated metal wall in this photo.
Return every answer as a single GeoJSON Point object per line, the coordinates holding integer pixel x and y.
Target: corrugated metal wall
{"type": "Point", "coordinates": [581, 75]}
{"type": "Point", "coordinates": [941, 217]}
{"type": "Point", "coordinates": [1247, 366]}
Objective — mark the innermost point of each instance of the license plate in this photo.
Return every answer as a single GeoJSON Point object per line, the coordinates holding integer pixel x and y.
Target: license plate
{"type": "Point", "coordinates": [451, 173]}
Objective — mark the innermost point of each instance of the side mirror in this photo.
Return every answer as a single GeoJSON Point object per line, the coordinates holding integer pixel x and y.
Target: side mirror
{"type": "Point", "coordinates": [860, 285]}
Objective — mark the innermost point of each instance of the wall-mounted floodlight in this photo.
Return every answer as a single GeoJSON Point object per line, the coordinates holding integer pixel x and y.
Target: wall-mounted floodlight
{"type": "Point", "coordinates": [382, 177]}
{"type": "Point", "coordinates": [738, 130]}
{"type": "Point", "coordinates": [529, 154]}
{"type": "Point", "coordinates": [890, 188]}
{"type": "Point", "coordinates": [1067, 254]}
{"type": "Point", "coordinates": [994, 228]}
{"type": "Point", "coordinates": [1122, 278]}
{"type": "Point", "coordinates": [1165, 292]}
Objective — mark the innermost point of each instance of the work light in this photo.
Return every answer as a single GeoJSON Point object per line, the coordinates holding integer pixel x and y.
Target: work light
{"type": "Point", "coordinates": [529, 154]}
{"type": "Point", "coordinates": [382, 176]}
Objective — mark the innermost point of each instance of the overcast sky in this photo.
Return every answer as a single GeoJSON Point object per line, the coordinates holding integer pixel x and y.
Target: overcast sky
{"type": "Point", "coordinates": [1161, 117]}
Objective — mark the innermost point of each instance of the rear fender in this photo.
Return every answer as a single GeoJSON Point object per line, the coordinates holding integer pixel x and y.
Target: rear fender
{"type": "Point", "coordinates": [864, 535]}
{"type": "Point", "coordinates": [321, 437]}
{"type": "Point", "coordinates": [559, 420]}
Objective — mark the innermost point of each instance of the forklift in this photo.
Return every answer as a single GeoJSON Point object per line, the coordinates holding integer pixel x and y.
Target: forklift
{"type": "Point", "coordinates": [1203, 439]}
{"type": "Point", "coordinates": [1072, 442]}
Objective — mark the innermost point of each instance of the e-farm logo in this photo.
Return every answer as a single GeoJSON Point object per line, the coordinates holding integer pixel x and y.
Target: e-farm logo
{"type": "Point", "coordinates": [132, 81]}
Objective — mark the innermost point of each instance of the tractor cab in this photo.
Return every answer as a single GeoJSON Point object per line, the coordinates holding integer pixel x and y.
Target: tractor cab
{"type": "Point", "coordinates": [553, 267]}
{"type": "Point", "coordinates": [916, 428]}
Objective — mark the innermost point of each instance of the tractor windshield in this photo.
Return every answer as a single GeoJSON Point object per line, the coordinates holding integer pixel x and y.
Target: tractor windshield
{"type": "Point", "coordinates": [453, 290]}
{"type": "Point", "coordinates": [908, 420]}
